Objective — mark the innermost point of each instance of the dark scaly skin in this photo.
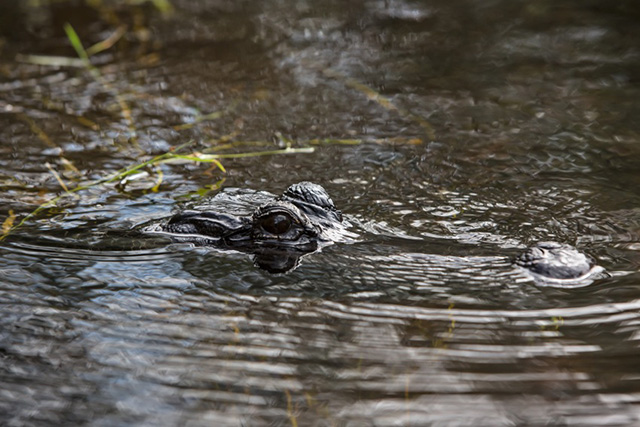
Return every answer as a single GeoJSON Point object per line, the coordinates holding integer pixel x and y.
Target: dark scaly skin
{"type": "Point", "coordinates": [277, 233]}
{"type": "Point", "coordinates": [556, 261]}
{"type": "Point", "coordinates": [292, 219]}
{"type": "Point", "coordinates": [212, 225]}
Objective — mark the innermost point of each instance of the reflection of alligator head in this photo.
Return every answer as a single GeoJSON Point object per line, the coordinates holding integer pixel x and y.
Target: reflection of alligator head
{"type": "Point", "coordinates": [278, 233]}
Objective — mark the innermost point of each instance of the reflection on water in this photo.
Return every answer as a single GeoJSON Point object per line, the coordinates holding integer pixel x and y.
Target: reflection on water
{"type": "Point", "coordinates": [452, 135]}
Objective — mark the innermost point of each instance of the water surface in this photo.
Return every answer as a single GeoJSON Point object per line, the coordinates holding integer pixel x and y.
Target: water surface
{"type": "Point", "coordinates": [451, 135]}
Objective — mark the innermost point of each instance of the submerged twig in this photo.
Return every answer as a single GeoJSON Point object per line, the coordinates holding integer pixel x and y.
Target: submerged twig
{"type": "Point", "coordinates": [42, 135]}
{"type": "Point", "coordinates": [8, 223]}
{"type": "Point", "coordinates": [211, 116]}
{"type": "Point", "coordinates": [164, 6]}
{"type": "Point", "coordinates": [206, 117]}
{"type": "Point", "coordinates": [108, 42]}
{"type": "Point", "coordinates": [380, 100]}
{"type": "Point", "coordinates": [57, 177]}
{"type": "Point", "coordinates": [95, 73]}
{"type": "Point", "coordinates": [50, 61]}
{"type": "Point", "coordinates": [290, 413]}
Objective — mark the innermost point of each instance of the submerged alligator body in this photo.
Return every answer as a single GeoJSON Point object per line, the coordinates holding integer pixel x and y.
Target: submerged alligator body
{"type": "Point", "coordinates": [278, 231]}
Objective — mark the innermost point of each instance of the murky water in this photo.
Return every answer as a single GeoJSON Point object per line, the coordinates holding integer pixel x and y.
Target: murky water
{"type": "Point", "coordinates": [451, 134]}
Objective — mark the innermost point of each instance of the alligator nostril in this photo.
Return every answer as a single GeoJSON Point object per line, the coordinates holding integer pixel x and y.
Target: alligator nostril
{"type": "Point", "coordinates": [277, 223]}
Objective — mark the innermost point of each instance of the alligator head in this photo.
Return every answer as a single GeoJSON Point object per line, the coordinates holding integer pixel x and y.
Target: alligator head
{"type": "Point", "coordinates": [278, 232]}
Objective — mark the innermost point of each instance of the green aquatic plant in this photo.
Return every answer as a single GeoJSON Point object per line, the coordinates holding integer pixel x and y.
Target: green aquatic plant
{"type": "Point", "coordinates": [181, 154]}
{"type": "Point", "coordinates": [212, 151]}
{"type": "Point", "coordinates": [173, 156]}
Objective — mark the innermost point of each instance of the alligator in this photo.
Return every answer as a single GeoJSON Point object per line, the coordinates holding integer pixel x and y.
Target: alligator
{"type": "Point", "coordinates": [553, 261]}
{"type": "Point", "coordinates": [278, 231]}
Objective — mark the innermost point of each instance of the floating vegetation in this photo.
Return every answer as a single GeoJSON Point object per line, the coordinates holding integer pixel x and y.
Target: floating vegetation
{"type": "Point", "coordinates": [305, 149]}
{"type": "Point", "coordinates": [83, 60]}
{"type": "Point", "coordinates": [138, 175]}
{"type": "Point", "coordinates": [148, 174]}
{"type": "Point", "coordinates": [287, 150]}
{"type": "Point", "coordinates": [396, 140]}
{"type": "Point", "coordinates": [124, 176]}
{"type": "Point", "coordinates": [117, 176]}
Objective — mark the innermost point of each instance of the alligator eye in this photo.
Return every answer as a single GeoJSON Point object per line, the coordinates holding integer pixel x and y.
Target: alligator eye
{"type": "Point", "coordinates": [277, 223]}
